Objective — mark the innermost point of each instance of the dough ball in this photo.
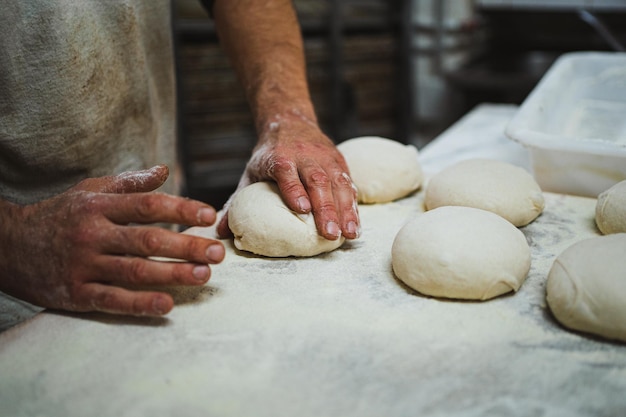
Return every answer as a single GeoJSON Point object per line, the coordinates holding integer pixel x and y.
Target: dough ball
{"type": "Point", "coordinates": [495, 186]}
{"type": "Point", "coordinates": [382, 169]}
{"type": "Point", "coordinates": [611, 209]}
{"type": "Point", "coordinates": [586, 287]}
{"type": "Point", "coordinates": [461, 252]}
{"type": "Point", "coordinates": [263, 224]}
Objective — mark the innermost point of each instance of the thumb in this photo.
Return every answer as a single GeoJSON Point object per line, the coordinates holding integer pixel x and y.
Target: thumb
{"type": "Point", "coordinates": [127, 182]}
{"type": "Point", "coordinates": [223, 230]}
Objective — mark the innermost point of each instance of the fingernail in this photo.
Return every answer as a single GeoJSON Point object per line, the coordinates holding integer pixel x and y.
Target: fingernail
{"type": "Point", "coordinates": [206, 215]}
{"type": "Point", "coordinates": [333, 229]}
{"type": "Point", "coordinates": [201, 273]}
{"type": "Point", "coordinates": [304, 204]}
{"type": "Point", "coordinates": [159, 305]}
{"type": "Point", "coordinates": [352, 228]}
{"type": "Point", "coordinates": [215, 253]}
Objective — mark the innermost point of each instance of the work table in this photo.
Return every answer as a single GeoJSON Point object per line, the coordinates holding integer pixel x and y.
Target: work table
{"type": "Point", "coordinates": [332, 335]}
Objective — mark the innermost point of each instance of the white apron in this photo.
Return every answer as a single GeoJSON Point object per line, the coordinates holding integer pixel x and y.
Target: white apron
{"type": "Point", "coordinates": [86, 89]}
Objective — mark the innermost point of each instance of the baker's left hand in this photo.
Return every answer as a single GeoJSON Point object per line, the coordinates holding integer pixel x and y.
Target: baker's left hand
{"type": "Point", "coordinates": [311, 174]}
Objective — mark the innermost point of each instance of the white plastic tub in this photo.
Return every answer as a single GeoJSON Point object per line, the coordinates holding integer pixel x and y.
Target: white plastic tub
{"type": "Point", "coordinates": [574, 123]}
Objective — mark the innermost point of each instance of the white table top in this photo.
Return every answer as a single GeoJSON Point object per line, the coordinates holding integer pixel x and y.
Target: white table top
{"type": "Point", "coordinates": [333, 335]}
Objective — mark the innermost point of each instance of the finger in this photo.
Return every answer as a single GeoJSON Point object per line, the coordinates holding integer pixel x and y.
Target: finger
{"type": "Point", "coordinates": [127, 182]}
{"type": "Point", "coordinates": [155, 207]}
{"type": "Point", "coordinates": [154, 241]}
{"type": "Point", "coordinates": [223, 229]}
{"type": "Point", "coordinates": [140, 181]}
{"type": "Point", "coordinates": [286, 175]}
{"type": "Point", "coordinates": [346, 199]}
{"type": "Point", "coordinates": [323, 203]}
{"type": "Point", "coordinates": [115, 300]}
{"type": "Point", "coordinates": [136, 271]}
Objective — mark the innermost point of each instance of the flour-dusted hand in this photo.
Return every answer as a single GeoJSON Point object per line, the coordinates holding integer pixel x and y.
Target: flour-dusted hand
{"type": "Point", "coordinates": [311, 174]}
{"type": "Point", "coordinates": [82, 250]}
{"type": "Point", "coordinates": [264, 43]}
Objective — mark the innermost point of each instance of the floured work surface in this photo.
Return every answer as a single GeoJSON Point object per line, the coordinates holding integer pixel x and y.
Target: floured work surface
{"type": "Point", "coordinates": [334, 335]}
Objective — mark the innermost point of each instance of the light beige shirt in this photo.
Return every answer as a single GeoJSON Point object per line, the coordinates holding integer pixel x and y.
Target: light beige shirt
{"type": "Point", "coordinates": [86, 89]}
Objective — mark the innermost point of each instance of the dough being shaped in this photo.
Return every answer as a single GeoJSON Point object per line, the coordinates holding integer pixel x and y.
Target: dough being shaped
{"type": "Point", "coordinates": [263, 224]}
{"type": "Point", "coordinates": [382, 169]}
{"type": "Point", "coordinates": [495, 186]}
{"type": "Point", "coordinates": [611, 209]}
{"type": "Point", "coordinates": [586, 287]}
{"type": "Point", "coordinates": [461, 252]}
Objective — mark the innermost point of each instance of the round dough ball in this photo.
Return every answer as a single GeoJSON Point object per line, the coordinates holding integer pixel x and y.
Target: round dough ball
{"type": "Point", "coordinates": [495, 186]}
{"type": "Point", "coordinates": [263, 224]}
{"type": "Point", "coordinates": [382, 169]}
{"type": "Point", "coordinates": [461, 252]}
{"type": "Point", "coordinates": [611, 209]}
{"type": "Point", "coordinates": [586, 287]}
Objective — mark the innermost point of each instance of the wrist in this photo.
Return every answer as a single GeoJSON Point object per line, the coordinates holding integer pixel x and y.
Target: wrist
{"type": "Point", "coordinates": [285, 118]}
{"type": "Point", "coordinates": [273, 101]}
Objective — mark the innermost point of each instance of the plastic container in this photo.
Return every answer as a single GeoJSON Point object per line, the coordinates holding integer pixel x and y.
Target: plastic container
{"type": "Point", "coordinates": [574, 124]}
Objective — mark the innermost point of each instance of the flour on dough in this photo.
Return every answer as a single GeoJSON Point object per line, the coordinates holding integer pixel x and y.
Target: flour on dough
{"type": "Point", "coordinates": [586, 287]}
{"type": "Point", "coordinates": [263, 224]}
{"type": "Point", "coordinates": [496, 186]}
{"type": "Point", "coordinates": [382, 169]}
{"type": "Point", "coordinates": [461, 252]}
{"type": "Point", "coordinates": [611, 209]}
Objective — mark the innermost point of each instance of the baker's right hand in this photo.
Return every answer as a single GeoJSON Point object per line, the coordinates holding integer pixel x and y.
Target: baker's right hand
{"type": "Point", "coordinates": [84, 249]}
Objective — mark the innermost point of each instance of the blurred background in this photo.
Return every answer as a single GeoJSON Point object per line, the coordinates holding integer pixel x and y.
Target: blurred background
{"type": "Point", "coordinates": [401, 69]}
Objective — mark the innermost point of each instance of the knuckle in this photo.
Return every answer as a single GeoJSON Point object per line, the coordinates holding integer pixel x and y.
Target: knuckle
{"type": "Point", "coordinates": [343, 180]}
{"type": "Point", "coordinates": [318, 178]}
{"type": "Point", "coordinates": [136, 271]}
{"type": "Point", "coordinates": [184, 208]}
{"type": "Point", "coordinates": [150, 242]}
{"type": "Point", "coordinates": [137, 307]}
{"type": "Point", "coordinates": [118, 266]}
{"type": "Point", "coordinates": [281, 167]}
{"type": "Point", "coordinates": [198, 248]}
{"type": "Point", "coordinates": [148, 205]}
{"type": "Point", "coordinates": [328, 208]}
{"type": "Point", "coordinates": [181, 274]}
{"type": "Point", "coordinates": [292, 187]}
{"type": "Point", "coordinates": [83, 203]}
{"type": "Point", "coordinates": [103, 300]}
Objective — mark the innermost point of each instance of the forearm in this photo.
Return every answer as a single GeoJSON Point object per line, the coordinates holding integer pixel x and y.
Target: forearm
{"type": "Point", "coordinates": [263, 41]}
